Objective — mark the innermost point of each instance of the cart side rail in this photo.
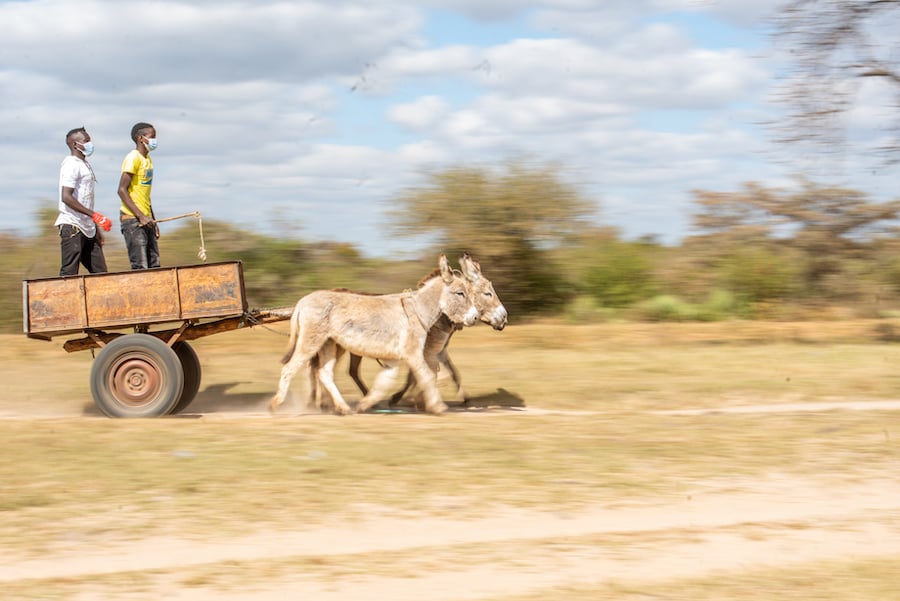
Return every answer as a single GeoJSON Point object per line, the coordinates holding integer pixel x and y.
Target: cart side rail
{"type": "Point", "coordinates": [68, 305]}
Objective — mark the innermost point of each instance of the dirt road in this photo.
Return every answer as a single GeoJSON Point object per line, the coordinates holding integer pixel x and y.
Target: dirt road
{"type": "Point", "coordinates": [725, 525]}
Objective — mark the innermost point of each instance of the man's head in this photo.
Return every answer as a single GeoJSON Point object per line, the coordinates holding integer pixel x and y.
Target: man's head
{"type": "Point", "coordinates": [144, 135]}
{"type": "Point", "coordinates": [79, 142]}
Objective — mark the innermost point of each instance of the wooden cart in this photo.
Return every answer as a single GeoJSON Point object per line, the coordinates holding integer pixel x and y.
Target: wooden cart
{"type": "Point", "coordinates": [151, 371]}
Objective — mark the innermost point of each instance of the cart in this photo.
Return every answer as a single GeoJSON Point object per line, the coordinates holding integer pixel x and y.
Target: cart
{"type": "Point", "coordinates": [151, 371]}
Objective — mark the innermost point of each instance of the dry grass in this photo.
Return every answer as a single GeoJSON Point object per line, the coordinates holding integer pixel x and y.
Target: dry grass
{"type": "Point", "coordinates": [607, 367]}
{"type": "Point", "coordinates": [68, 475]}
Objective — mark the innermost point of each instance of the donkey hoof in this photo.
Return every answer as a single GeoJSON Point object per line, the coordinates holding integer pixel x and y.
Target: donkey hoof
{"type": "Point", "coordinates": [437, 409]}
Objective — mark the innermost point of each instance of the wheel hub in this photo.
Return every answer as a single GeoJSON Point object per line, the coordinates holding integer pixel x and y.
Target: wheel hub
{"type": "Point", "coordinates": [135, 381]}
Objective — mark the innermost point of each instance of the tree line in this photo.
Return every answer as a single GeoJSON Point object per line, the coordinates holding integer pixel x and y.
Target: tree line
{"type": "Point", "coordinates": [757, 253]}
{"type": "Point", "coordinates": [760, 252]}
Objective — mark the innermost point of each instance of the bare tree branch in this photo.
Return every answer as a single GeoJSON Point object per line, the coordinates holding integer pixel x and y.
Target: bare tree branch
{"type": "Point", "coordinates": [833, 47]}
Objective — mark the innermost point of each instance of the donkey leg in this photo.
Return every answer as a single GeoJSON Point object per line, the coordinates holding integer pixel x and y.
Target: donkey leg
{"type": "Point", "coordinates": [355, 360]}
{"type": "Point", "coordinates": [314, 379]}
{"type": "Point", "coordinates": [447, 367]}
{"type": "Point", "coordinates": [287, 374]}
{"type": "Point", "coordinates": [447, 364]}
{"type": "Point", "coordinates": [433, 360]}
{"type": "Point", "coordinates": [315, 393]}
{"type": "Point", "coordinates": [306, 347]}
{"type": "Point", "coordinates": [397, 396]}
{"type": "Point", "coordinates": [427, 381]}
{"type": "Point", "coordinates": [328, 356]}
{"type": "Point", "coordinates": [383, 381]}
{"type": "Point", "coordinates": [313, 390]}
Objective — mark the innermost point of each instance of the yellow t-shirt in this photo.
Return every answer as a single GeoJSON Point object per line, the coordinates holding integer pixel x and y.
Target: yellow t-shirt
{"type": "Point", "coordinates": [139, 189]}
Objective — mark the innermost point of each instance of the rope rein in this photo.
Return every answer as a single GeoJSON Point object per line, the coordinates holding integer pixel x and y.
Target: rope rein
{"type": "Point", "coordinates": [255, 322]}
{"type": "Point", "coordinates": [202, 253]}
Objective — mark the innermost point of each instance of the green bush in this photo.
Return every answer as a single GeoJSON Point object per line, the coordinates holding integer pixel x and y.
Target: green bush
{"type": "Point", "coordinates": [586, 309]}
{"type": "Point", "coordinates": [666, 307]}
{"type": "Point", "coordinates": [720, 305]}
{"type": "Point", "coordinates": [760, 275]}
{"type": "Point", "coordinates": [620, 273]}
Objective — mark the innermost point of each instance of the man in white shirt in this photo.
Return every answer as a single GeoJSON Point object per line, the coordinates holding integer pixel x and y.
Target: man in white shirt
{"type": "Point", "coordinates": [80, 240]}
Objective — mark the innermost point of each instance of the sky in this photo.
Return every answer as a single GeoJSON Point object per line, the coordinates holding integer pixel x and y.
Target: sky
{"type": "Point", "coordinates": [305, 119]}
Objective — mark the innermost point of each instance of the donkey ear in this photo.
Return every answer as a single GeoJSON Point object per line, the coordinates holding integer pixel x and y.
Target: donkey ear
{"type": "Point", "coordinates": [446, 271]}
{"type": "Point", "coordinates": [470, 267]}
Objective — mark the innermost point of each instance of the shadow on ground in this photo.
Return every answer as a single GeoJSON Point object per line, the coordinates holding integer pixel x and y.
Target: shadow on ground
{"type": "Point", "coordinates": [216, 399]}
{"type": "Point", "coordinates": [501, 399]}
{"type": "Point", "coordinates": [213, 399]}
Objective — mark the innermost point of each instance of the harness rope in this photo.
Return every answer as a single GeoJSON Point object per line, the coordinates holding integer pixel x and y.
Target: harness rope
{"type": "Point", "coordinates": [255, 322]}
{"type": "Point", "coordinates": [202, 253]}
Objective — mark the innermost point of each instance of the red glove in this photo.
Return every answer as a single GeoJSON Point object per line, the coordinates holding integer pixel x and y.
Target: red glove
{"type": "Point", "coordinates": [102, 220]}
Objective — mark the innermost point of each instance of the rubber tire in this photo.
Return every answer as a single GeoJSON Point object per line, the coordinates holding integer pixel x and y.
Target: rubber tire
{"type": "Point", "coordinates": [136, 375]}
{"type": "Point", "coordinates": [190, 366]}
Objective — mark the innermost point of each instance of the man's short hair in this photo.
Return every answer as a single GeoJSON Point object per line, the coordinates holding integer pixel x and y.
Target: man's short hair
{"type": "Point", "coordinates": [72, 132]}
{"type": "Point", "coordinates": [138, 128]}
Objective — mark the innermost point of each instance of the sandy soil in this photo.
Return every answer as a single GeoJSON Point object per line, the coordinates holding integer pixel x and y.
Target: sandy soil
{"type": "Point", "coordinates": [723, 525]}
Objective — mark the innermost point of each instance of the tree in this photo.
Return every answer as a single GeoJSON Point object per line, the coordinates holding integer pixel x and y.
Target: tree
{"type": "Point", "coordinates": [834, 47]}
{"type": "Point", "coordinates": [826, 225]}
{"type": "Point", "coordinates": [615, 273]}
{"type": "Point", "coordinates": [506, 219]}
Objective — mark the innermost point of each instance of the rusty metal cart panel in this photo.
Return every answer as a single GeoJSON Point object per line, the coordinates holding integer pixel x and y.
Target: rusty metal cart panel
{"type": "Point", "coordinates": [56, 306]}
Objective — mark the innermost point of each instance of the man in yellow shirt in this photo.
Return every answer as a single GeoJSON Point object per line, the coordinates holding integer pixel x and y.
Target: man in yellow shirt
{"type": "Point", "coordinates": [138, 226]}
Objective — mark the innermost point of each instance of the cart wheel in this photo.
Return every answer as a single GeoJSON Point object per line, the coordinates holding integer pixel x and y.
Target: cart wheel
{"type": "Point", "coordinates": [136, 375]}
{"type": "Point", "coordinates": [190, 365]}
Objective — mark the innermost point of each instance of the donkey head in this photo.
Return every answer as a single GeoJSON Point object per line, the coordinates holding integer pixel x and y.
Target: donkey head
{"type": "Point", "coordinates": [490, 309]}
{"type": "Point", "coordinates": [456, 296]}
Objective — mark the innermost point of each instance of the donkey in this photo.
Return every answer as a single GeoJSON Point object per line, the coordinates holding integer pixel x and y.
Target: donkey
{"type": "Point", "coordinates": [390, 328]}
{"type": "Point", "coordinates": [490, 310]}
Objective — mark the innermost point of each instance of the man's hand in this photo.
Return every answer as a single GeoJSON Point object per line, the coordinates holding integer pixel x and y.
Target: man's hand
{"type": "Point", "coordinates": [102, 220]}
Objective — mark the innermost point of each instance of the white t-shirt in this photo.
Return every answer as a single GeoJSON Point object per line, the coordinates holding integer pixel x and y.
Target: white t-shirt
{"type": "Point", "coordinates": [76, 174]}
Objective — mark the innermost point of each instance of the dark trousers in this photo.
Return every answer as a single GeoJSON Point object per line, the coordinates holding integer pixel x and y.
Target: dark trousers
{"type": "Point", "coordinates": [76, 248]}
{"type": "Point", "coordinates": [143, 249]}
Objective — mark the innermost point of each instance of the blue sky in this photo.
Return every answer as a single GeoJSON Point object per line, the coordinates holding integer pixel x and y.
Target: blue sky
{"type": "Point", "coordinates": [307, 118]}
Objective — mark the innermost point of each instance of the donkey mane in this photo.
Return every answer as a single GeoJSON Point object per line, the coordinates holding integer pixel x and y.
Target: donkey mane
{"type": "Point", "coordinates": [436, 272]}
{"type": "Point", "coordinates": [351, 291]}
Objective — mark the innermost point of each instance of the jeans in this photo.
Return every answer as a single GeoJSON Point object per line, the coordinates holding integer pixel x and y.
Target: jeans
{"type": "Point", "coordinates": [143, 249]}
{"type": "Point", "coordinates": [76, 248]}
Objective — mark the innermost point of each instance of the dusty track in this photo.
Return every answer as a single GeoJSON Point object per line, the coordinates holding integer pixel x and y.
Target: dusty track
{"type": "Point", "coordinates": [726, 525]}
{"type": "Point", "coordinates": [772, 523]}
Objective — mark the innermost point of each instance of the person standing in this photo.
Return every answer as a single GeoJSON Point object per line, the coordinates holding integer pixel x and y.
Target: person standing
{"type": "Point", "coordinates": [139, 229]}
{"type": "Point", "coordinates": [80, 242]}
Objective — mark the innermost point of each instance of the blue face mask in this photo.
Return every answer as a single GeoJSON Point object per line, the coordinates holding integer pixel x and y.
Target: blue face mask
{"type": "Point", "coordinates": [151, 144]}
{"type": "Point", "coordinates": [87, 149]}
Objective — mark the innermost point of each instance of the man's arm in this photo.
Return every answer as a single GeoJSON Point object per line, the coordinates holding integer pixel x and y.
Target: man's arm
{"type": "Point", "coordinates": [68, 198]}
{"type": "Point", "coordinates": [124, 182]}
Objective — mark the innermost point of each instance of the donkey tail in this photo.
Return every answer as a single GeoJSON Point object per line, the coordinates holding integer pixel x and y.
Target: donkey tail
{"type": "Point", "coordinates": [295, 333]}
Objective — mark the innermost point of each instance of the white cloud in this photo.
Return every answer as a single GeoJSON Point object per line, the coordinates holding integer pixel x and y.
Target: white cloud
{"type": "Point", "coordinates": [422, 114]}
{"type": "Point", "coordinates": [316, 113]}
{"type": "Point", "coordinates": [741, 12]}
{"type": "Point", "coordinates": [99, 43]}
